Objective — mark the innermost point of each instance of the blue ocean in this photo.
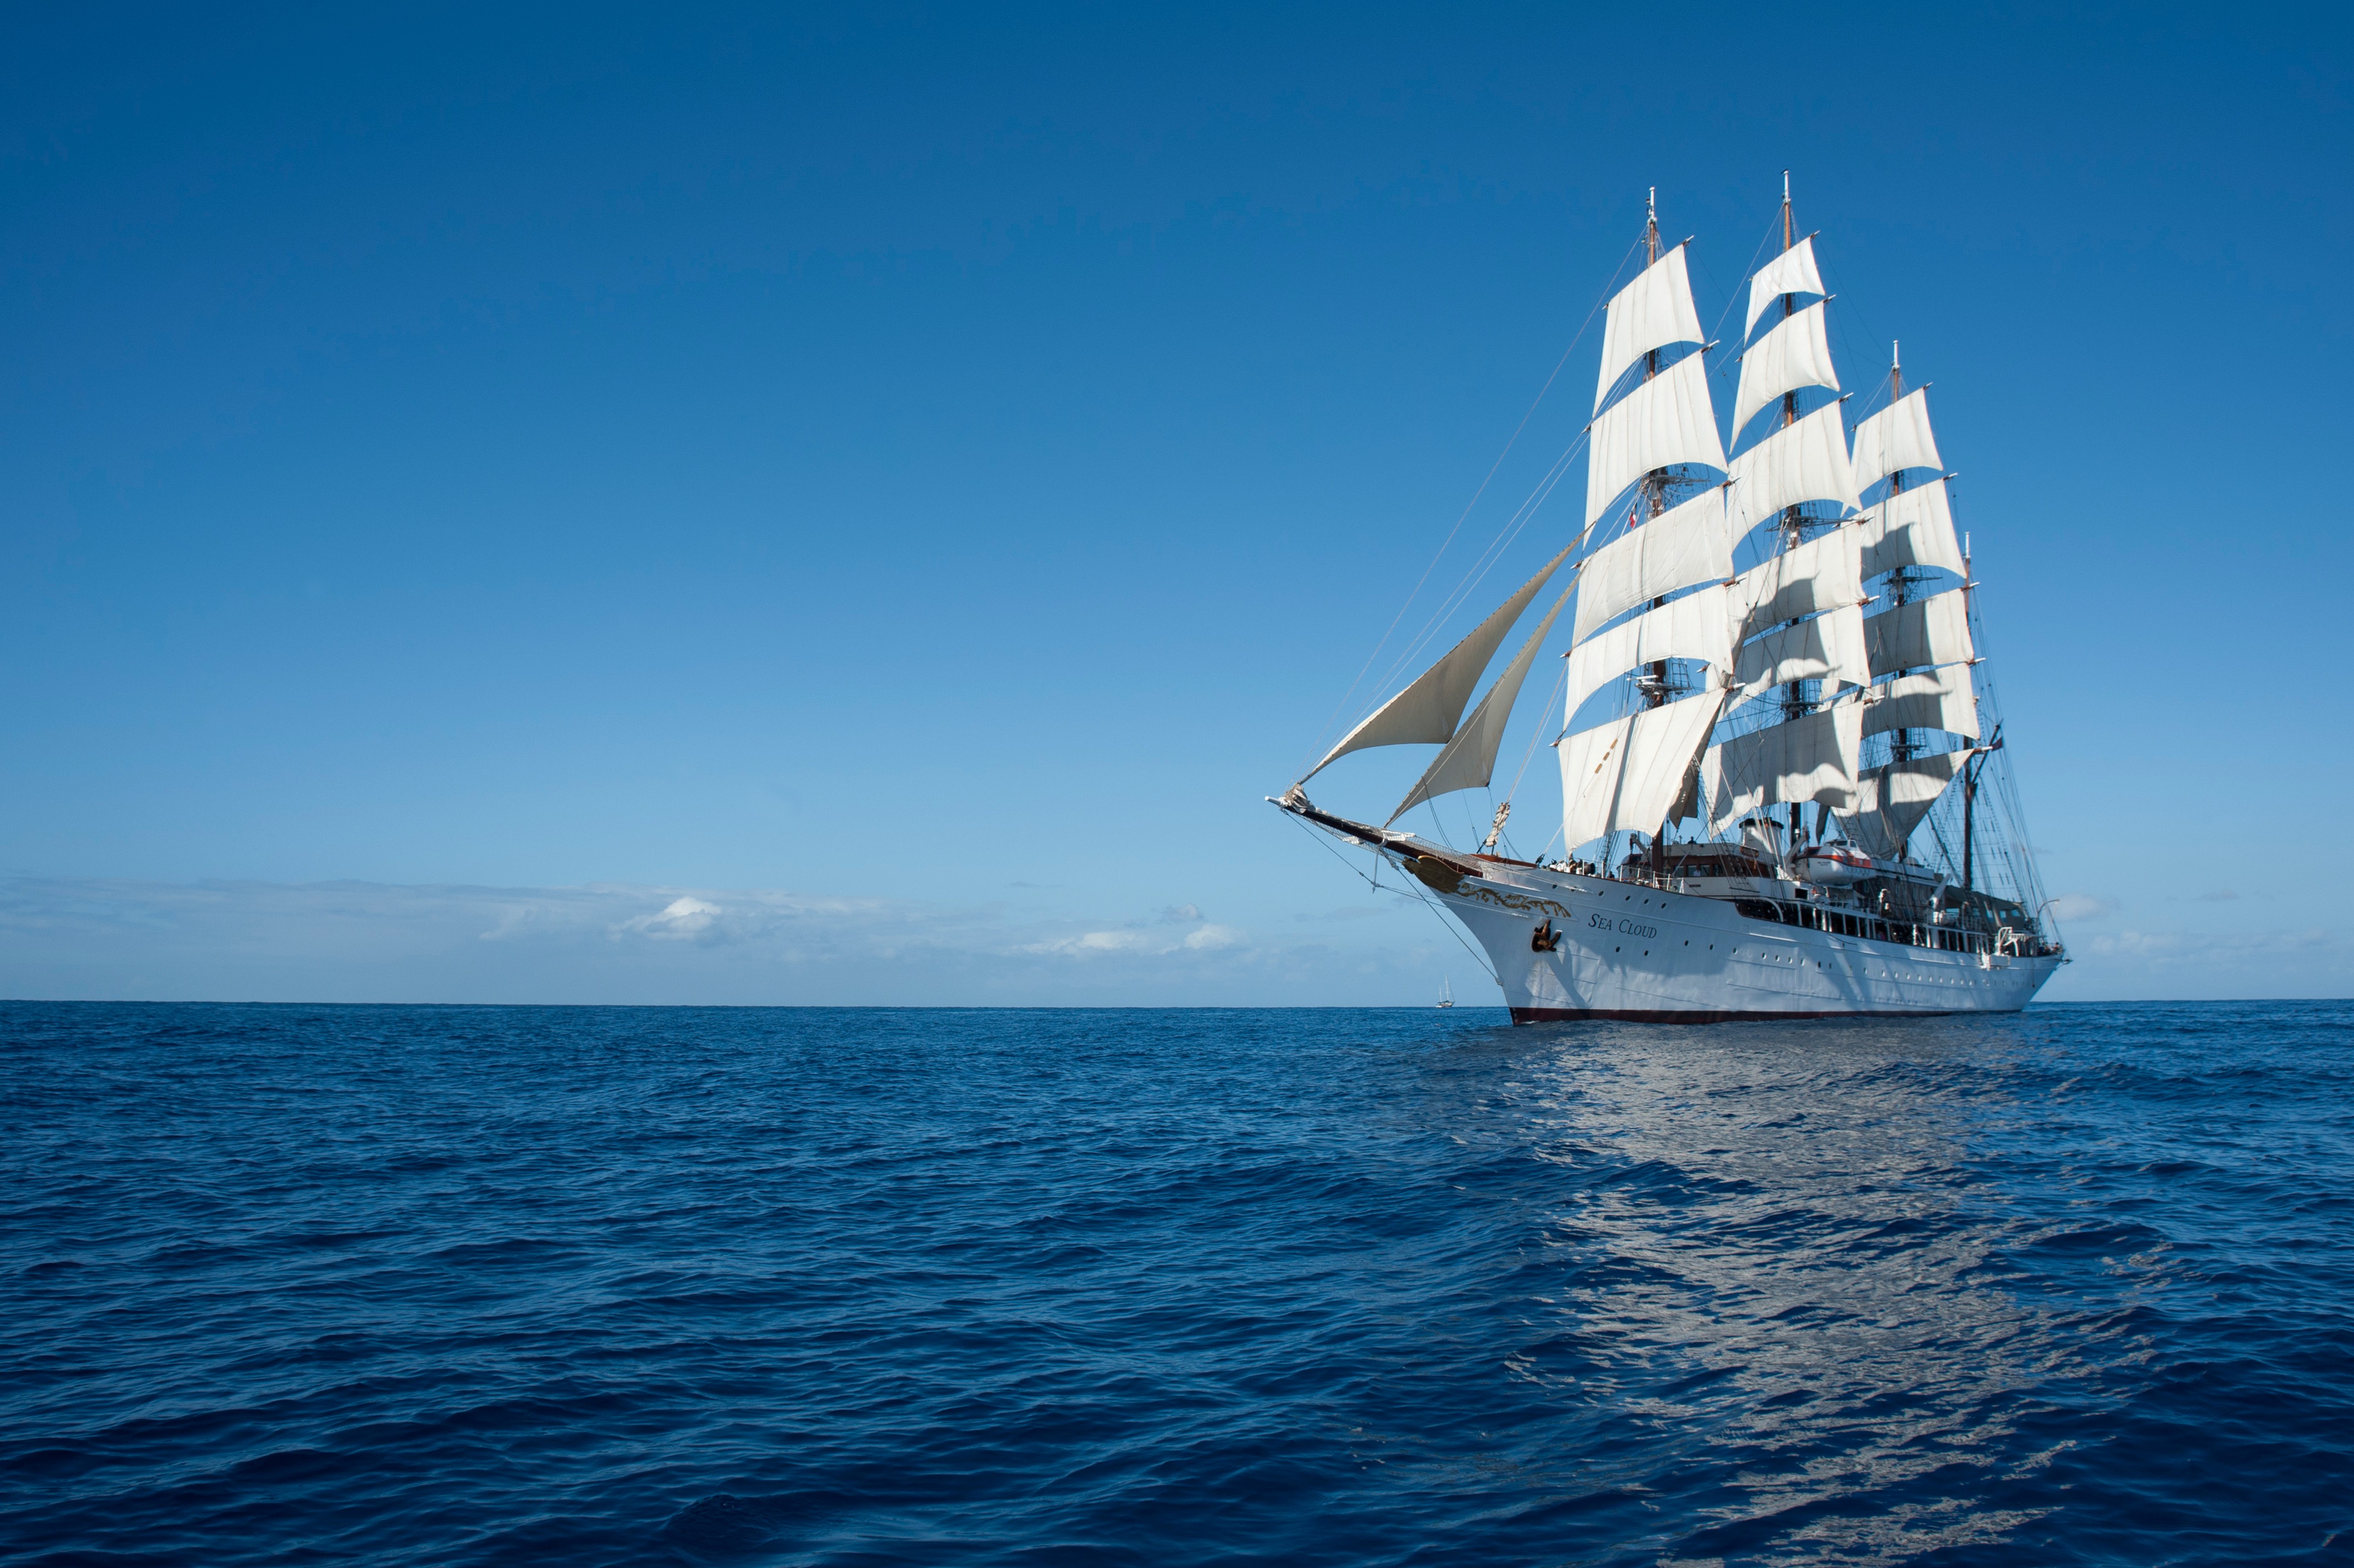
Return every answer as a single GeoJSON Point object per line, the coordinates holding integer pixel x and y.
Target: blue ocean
{"type": "Point", "coordinates": [455, 1285]}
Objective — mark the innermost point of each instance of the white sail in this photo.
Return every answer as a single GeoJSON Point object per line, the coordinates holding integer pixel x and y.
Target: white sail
{"type": "Point", "coordinates": [1627, 774]}
{"type": "Point", "coordinates": [1428, 709]}
{"type": "Point", "coordinates": [1652, 312]}
{"type": "Point", "coordinates": [1933, 699]}
{"type": "Point", "coordinates": [1819, 575]}
{"type": "Point", "coordinates": [1914, 528]}
{"type": "Point", "coordinates": [1895, 439]}
{"type": "Point", "coordinates": [1696, 626]}
{"type": "Point", "coordinates": [1791, 273]}
{"type": "Point", "coordinates": [1802, 461]}
{"type": "Point", "coordinates": [1812, 757]}
{"type": "Point", "coordinates": [1468, 760]}
{"type": "Point", "coordinates": [1667, 419]}
{"type": "Point", "coordinates": [1682, 546]}
{"type": "Point", "coordinates": [1828, 648]}
{"type": "Point", "coordinates": [1933, 631]}
{"type": "Point", "coordinates": [1795, 353]}
{"type": "Point", "coordinates": [1891, 800]}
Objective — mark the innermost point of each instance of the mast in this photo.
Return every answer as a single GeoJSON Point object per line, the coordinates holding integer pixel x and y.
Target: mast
{"type": "Point", "coordinates": [1616, 774]}
{"type": "Point", "coordinates": [1655, 496]}
{"type": "Point", "coordinates": [1653, 493]}
{"type": "Point", "coordinates": [1901, 581]}
{"type": "Point", "coordinates": [1794, 531]}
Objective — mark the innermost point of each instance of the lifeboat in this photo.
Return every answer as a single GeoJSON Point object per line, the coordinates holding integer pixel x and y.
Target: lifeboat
{"type": "Point", "coordinates": [1833, 866]}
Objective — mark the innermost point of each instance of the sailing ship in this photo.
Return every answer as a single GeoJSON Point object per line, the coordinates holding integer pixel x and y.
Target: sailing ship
{"type": "Point", "coordinates": [1785, 788]}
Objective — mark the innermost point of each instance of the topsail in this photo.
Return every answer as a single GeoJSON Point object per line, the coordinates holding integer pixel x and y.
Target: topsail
{"type": "Point", "coordinates": [1795, 353]}
{"type": "Point", "coordinates": [1649, 314]}
{"type": "Point", "coordinates": [1664, 421]}
{"type": "Point", "coordinates": [1800, 462]}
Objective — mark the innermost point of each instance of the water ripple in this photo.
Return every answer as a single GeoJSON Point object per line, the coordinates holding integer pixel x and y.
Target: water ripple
{"type": "Point", "coordinates": [491, 1286]}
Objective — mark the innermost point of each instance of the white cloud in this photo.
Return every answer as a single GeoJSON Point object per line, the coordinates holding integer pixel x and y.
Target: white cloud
{"type": "Point", "coordinates": [2081, 906]}
{"type": "Point", "coordinates": [1138, 941]}
{"type": "Point", "coordinates": [682, 918]}
{"type": "Point", "coordinates": [2207, 964]}
{"type": "Point", "coordinates": [65, 938]}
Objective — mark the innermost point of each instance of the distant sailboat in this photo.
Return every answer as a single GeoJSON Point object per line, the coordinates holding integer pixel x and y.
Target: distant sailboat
{"type": "Point", "coordinates": [1734, 699]}
{"type": "Point", "coordinates": [1447, 993]}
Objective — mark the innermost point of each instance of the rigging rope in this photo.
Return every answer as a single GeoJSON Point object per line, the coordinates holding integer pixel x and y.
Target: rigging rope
{"type": "Point", "coordinates": [1423, 898]}
{"type": "Point", "coordinates": [1325, 733]}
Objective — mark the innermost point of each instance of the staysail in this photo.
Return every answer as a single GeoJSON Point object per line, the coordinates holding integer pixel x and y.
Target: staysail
{"type": "Point", "coordinates": [1468, 760]}
{"type": "Point", "coordinates": [1428, 709]}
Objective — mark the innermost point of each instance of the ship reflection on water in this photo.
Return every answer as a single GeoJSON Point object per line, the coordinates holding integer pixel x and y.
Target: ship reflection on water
{"type": "Point", "coordinates": [1772, 1274]}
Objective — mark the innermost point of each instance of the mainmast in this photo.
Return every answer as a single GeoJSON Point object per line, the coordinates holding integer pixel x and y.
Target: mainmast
{"type": "Point", "coordinates": [1901, 581]}
{"type": "Point", "coordinates": [1801, 634]}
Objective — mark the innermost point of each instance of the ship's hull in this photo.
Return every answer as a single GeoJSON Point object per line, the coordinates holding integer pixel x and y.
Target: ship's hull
{"type": "Point", "coordinates": [1629, 951]}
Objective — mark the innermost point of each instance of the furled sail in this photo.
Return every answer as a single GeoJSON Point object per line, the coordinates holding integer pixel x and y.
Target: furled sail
{"type": "Point", "coordinates": [1427, 710]}
{"type": "Point", "coordinates": [1828, 648]}
{"type": "Point", "coordinates": [1795, 353]}
{"type": "Point", "coordinates": [1895, 439]}
{"type": "Point", "coordinates": [1652, 312]}
{"type": "Point", "coordinates": [1682, 546]}
{"type": "Point", "coordinates": [1912, 528]}
{"type": "Point", "coordinates": [1802, 461]}
{"type": "Point", "coordinates": [1469, 759]}
{"type": "Point", "coordinates": [1933, 699]}
{"type": "Point", "coordinates": [1791, 273]}
{"type": "Point", "coordinates": [1627, 774]}
{"type": "Point", "coordinates": [1696, 626]}
{"type": "Point", "coordinates": [1812, 757]}
{"type": "Point", "coordinates": [1890, 801]}
{"type": "Point", "coordinates": [1821, 574]}
{"type": "Point", "coordinates": [1667, 419]}
{"type": "Point", "coordinates": [1933, 631]}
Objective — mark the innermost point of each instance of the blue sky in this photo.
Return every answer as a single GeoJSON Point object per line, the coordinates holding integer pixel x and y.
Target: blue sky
{"type": "Point", "coordinates": [906, 484]}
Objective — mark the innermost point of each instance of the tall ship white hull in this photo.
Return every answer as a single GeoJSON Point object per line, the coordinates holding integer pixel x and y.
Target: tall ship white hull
{"type": "Point", "coordinates": [1566, 946]}
{"type": "Point", "coordinates": [1784, 785]}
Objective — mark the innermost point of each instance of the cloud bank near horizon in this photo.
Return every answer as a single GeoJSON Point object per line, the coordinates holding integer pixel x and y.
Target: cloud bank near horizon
{"type": "Point", "coordinates": [355, 941]}
{"type": "Point", "coordinates": [64, 938]}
